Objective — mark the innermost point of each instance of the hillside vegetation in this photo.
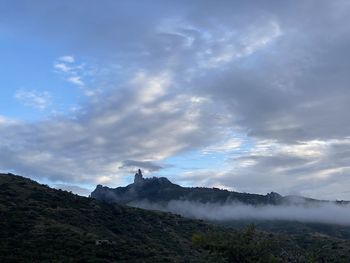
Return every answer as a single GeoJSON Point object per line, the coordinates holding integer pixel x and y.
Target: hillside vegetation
{"type": "Point", "coordinates": [40, 224]}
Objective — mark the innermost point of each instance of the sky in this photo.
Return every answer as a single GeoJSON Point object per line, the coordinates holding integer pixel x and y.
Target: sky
{"type": "Point", "coordinates": [251, 96]}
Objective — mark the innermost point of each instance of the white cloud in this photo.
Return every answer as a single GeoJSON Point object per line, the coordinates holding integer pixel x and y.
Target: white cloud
{"type": "Point", "coordinates": [80, 75]}
{"type": "Point", "coordinates": [231, 46]}
{"type": "Point", "coordinates": [224, 147]}
{"type": "Point", "coordinates": [62, 67]}
{"type": "Point", "coordinates": [37, 99]}
{"type": "Point", "coordinates": [67, 59]}
{"type": "Point", "coordinates": [75, 80]}
{"type": "Point", "coordinates": [150, 88]}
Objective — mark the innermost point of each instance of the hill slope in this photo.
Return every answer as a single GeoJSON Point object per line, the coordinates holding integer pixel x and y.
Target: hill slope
{"type": "Point", "coordinates": [40, 224]}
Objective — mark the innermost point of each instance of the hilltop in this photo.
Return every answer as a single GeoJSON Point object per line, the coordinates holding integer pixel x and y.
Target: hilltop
{"type": "Point", "coordinates": [161, 190]}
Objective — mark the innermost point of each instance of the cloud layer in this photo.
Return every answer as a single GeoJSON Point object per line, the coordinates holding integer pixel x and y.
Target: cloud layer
{"type": "Point", "coordinates": [236, 211]}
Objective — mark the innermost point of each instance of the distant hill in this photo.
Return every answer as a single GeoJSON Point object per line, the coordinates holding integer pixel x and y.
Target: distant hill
{"type": "Point", "coordinates": [160, 189]}
{"type": "Point", "coordinates": [161, 194]}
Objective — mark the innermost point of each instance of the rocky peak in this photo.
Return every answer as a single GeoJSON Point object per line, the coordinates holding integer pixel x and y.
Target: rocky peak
{"type": "Point", "coordinates": [138, 177]}
{"type": "Point", "coordinates": [274, 196]}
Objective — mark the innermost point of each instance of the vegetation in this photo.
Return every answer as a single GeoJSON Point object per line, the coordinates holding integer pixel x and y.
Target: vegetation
{"type": "Point", "coordinates": [295, 228]}
{"type": "Point", "coordinates": [251, 245]}
{"type": "Point", "coordinates": [40, 224]}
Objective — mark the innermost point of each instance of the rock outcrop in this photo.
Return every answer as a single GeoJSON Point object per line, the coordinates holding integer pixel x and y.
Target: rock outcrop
{"type": "Point", "coordinates": [138, 177]}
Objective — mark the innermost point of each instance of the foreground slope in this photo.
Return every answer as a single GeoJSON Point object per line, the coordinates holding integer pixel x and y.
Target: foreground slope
{"type": "Point", "coordinates": [40, 224]}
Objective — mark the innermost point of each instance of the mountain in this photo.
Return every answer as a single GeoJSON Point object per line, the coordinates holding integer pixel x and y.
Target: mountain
{"type": "Point", "coordinates": [40, 224]}
{"type": "Point", "coordinates": [218, 206]}
{"type": "Point", "coordinates": [161, 190]}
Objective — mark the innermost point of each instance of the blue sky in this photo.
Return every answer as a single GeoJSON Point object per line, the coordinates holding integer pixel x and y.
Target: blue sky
{"type": "Point", "coordinates": [250, 97]}
{"type": "Point", "coordinates": [28, 66]}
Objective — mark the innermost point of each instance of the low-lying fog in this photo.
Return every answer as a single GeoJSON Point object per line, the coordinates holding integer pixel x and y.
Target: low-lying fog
{"type": "Point", "coordinates": [319, 213]}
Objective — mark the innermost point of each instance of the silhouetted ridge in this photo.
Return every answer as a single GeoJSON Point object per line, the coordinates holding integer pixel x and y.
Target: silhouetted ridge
{"type": "Point", "coordinates": [161, 190]}
{"type": "Point", "coordinates": [152, 189]}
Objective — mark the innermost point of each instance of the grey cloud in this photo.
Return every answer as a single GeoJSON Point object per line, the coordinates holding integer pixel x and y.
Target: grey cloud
{"type": "Point", "coordinates": [297, 89]}
{"type": "Point", "coordinates": [150, 166]}
{"type": "Point", "coordinates": [321, 173]}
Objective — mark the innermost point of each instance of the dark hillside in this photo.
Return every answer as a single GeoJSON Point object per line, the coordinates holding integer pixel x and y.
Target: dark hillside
{"type": "Point", "coordinates": [40, 224]}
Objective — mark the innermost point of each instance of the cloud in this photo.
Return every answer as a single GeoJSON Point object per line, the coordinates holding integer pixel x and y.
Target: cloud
{"type": "Point", "coordinates": [311, 168]}
{"type": "Point", "coordinates": [6, 121]}
{"type": "Point", "coordinates": [62, 67]}
{"type": "Point", "coordinates": [291, 92]}
{"type": "Point", "coordinates": [323, 213]}
{"type": "Point", "coordinates": [76, 80]}
{"type": "Point", "coordinates": [116, 129]}
{"type": "Point", "coordinates": [36, 99]}
{"type": "Point", "coordinates": [147, 165]}
{"type": "Point", "coordinates": [67, 59]}
{"type": "Point", "coordinates": [80, 75]}
{"type": "Point", "coordinates": [224, 147]}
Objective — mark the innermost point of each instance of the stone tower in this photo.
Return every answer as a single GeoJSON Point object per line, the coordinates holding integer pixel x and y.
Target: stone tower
{"type": "Point", "coordinates": [138, 177]}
